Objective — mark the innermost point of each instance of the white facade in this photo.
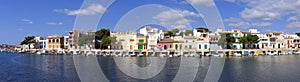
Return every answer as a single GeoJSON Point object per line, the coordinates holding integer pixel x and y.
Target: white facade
{"type": "Point", "coordinates": [43, 44]}
{"type": "Point", "coordinates": [66, 42]}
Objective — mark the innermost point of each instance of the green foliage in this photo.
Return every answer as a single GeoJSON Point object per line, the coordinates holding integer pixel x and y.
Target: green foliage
{"type": "Point", "coordinates": [175, 31]}
{"type": "Point", "coordinates": [187, 32]}
{"type": "Point", "coordinates": [102, 35]}
{"type": "Point", "coordinates": [105, 42]}
{"type": "Point", "coordinates": [85, 39]}
{"type": "Point", "coordinates": [226, 40]}
{"type": "Point", "coordinates": [298, 34]}
{"type": "Point", "coordinates": [28, 40]}
{"type": "Point", "coordinates": [249, 39]}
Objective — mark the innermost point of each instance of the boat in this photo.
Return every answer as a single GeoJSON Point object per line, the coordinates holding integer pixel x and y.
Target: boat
{"type": "Point", "coordinates": [271, 53]}
{"type": "Point", "coordinates": [207, 54]}
{"type": "Point", "coordinates": [170, 55]}
{"type": "Point", "coordinates": [162, 55]}
{"type": "Point", "coordinates": [140, 55]}
{"type": "Point", "coordinates": [215, 54]}
{"type": "Point", "coordinates": [89, 53]}
{"type": "Point", "coordinates": [131, 55]}
{"type": "Point", "coordinates": [38, 53]}
{"type": "Point", "coordinates": [237, 54]}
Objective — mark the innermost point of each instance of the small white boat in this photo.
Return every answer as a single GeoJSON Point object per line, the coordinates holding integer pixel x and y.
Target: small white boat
{"type": "Point", "coordinates": [132, 55]}
{"type": "Point", "coordinates": [216, 55]}
{"type": "Point", "coordinates": [162, 55]}
{"type": "Point", "coordinates": [207, 54]}
{"type": "Point", "coordinates": [237, 54]}
{"type": "Point", "coordinates": [170, 55]}
{"type": "Point", "coordinates": [39, 53]}
{"type": "Point", "coordinates": [140, 55]}
{"type": "Point", "coordinates": [89, 54]}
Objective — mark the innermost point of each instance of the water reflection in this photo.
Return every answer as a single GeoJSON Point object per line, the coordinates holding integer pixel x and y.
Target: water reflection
{"type": "Point", "coordinates": [32, 68]}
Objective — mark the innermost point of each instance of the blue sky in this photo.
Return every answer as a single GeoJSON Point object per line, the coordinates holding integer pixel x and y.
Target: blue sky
{"type": "Point", "coordinates": [21, 18]}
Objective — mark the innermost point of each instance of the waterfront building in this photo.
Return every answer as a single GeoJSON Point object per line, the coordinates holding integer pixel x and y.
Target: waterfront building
{"type": "Point", "coordinates": [55, 42]}
{"type": "Point", "coordinates": [178, 42]}
{"type": "Point", "coordinates": [141, 42]}
{"type": "Point", "coordinates": [145, 30]}
{"type": "Point", "coordinates": [153, 36]}
{"type": "Point", "coordinates": [166, 44]}
{"type": "Point", "coordinates": [66, 42]}
{"type": "Point", "coordinates": [125, 40]}
{"type": "Point", "coordinates": [213, 41]}
{"type": "Point", "coordinates": [43, 44]}
{"type": "Point", "coordinates": [73, 38]}
{"type": "Point", "coordinates": [190, 43]}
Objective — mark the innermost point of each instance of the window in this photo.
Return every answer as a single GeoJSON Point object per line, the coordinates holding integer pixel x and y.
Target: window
{"type": "Point", "coordinates": [199, 46]}
{"type": "Point", "coordinates": [180, 46]}
{"type": "Point", "coordinates": [141, 40]}
{"type": "Point", "coordinates": [205, 46]}
{"type": "Point", "coordinates": [190, 47]}
{"type": "Point", "coordinates": [176, 46]}
{"type": "Point", "coordinates": [171, 46]}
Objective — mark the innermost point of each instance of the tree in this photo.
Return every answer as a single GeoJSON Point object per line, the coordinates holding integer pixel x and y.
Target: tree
{"type": "Point", "coordinates": [99, 36]}
{"type": "Point", "coordinates": [102, 33]}
{"type": "Point", "coordinates": [28, 40]}
{"type": "Point", "coordinates": [175, 31]}
{"type": "Point", "coordinates": [85, 39]}
{"type": "Point", "coordinates": [298, 34]}
{"type": "Point", "coordinates": [170, 33]}
{"type": "Point", "coordinates": [105, 42]}
{"type": "Point", "coordinates": [226, 40]}
{"type": "Point", "coordinates": [249, 40]}
{"type": "Point", "coordinates": [188, 32]}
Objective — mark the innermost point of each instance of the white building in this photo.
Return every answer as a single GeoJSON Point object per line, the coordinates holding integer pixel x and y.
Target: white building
{"type": "Point", "coordinates": [153, 36]}
{"type": "Point", "coordinates": [66, 42]}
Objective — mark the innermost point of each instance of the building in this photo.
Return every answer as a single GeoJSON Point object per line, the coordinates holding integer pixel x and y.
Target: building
{"type": "Point", "coordinates": [141, 42]}
{"type": "Point", "coordinates": [66, 42]}
{"type": "Point", "coordinates": [43, 44]}
{"type": "Point", "coordinates": [190, 43]}
{"type": "Point", "coordinates": [125, 40]}
{"type": "Point", "coordinates": [55, 42]}
{"type": "Point", "coordinates": [73, 39]}
{"type": "Point", "coordinates": [165, 44]}
{"type": "Point", "coordinates": [153, 36]}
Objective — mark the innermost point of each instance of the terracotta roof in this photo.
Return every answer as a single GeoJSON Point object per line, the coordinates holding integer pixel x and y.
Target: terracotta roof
{"type": "Point", "coordinates": [166, 40]}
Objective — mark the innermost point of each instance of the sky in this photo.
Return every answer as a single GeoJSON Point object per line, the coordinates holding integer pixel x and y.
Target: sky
{"type": "Point", "coordinates": [21, 18]}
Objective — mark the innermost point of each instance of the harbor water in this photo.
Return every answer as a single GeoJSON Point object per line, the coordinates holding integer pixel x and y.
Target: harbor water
{"type": "Point", "coordinates": [16, 67]}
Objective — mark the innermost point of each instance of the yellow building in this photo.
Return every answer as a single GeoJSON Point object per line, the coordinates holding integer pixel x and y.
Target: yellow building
{"type": "Point", "coordinates": [141, 42]}
{"type": "Point", "coordinates": [124, 40]}
{"type": "Point", "coordinates": [55, 42]}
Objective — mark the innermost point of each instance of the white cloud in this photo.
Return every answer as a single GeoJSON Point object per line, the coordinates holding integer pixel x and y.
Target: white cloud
{"type": "Point", "coordinates": [176, 18]}
{"type": "Point", "coordinates": [241, 24]}
{"type": "Point", "coordinates": [292, 18]}
{"type": "Point", "coordinates": [54, 23]}
{"type": "Point", "coordinates": [262, 24]}
{"type": "Point", "coordinates": [293, 25]}
{"type": "Point", "coordinates": [90, 10]}
{"type": "Point", "coordinates": [244, 24]}
{"type": "Point", "coordinates": [269, 9]}
{"type": "Point", "coordinates": [232, 19]}
{"type": "Point", "coordinates": [202, 2]}
{"type": "Point", "coordinates": [27, 21]}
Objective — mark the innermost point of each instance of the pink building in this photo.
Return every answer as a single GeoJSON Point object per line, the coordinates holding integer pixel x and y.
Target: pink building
{"type": "Point", "coordinates": [166, 44]}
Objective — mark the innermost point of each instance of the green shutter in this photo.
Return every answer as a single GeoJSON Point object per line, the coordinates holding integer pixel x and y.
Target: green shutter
{"type": "Point", "coordinates": [199, 46]}
{"type": "Point", "coordinates": [140, 47]}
